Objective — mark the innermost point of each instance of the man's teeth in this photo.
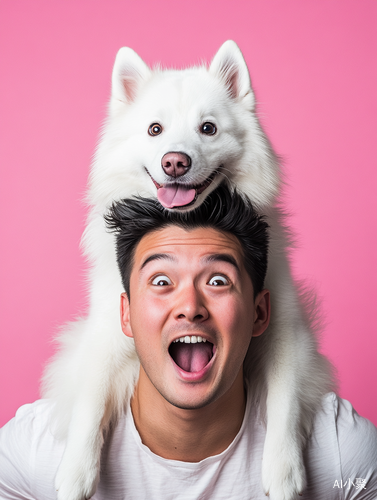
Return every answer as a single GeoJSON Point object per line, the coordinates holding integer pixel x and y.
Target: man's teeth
{"type": "Point", "coordinates": [190, 339]}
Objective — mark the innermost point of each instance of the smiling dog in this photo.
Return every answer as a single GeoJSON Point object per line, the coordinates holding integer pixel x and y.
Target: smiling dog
{"type": "Point", "coordinates": [175, 136]}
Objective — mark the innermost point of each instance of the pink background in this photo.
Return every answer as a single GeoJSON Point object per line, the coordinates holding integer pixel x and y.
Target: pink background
{"type": "Point", "coordinates": [314, 69]}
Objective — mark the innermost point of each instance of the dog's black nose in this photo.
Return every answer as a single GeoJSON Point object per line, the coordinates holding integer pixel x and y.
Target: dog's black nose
{"type": "Point", "coordinates": [175, 164]}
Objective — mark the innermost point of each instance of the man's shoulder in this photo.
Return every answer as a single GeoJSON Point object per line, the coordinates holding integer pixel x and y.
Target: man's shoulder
{"type": "Point", "coordinates": [344, 417]}
{"type": "Point", "coordinates": [337, 419]}
{"type": "Point", "coordinates": [41, 408]}
{"type": "Point", "coordinates": [29, 453]}
{"type": "Point", "coordinates": [29, 419]}
{"type": "Point", "coordinates": [342, 451]}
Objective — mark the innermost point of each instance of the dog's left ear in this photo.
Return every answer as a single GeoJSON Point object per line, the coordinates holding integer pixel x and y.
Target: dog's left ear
{"type": "Point", "coordinates": [230, 66]}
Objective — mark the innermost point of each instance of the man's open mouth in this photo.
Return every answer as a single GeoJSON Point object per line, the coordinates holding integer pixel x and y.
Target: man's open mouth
{"type": "Point", "coordinates": [191, 353]}
{"type": "Point", "coordinates": [178, 195]}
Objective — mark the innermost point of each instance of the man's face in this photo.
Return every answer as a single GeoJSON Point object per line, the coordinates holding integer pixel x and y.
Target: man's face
{"type": "Point", "coordinates": [192, 313]}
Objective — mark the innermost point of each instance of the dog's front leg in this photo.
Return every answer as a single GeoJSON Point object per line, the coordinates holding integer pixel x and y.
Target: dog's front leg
{"type": "Point", "coordinates": [283, 471]}
{"type": "Point", "coordinates": [78, 473]}
{"type": "Point", "coordinates": [296, 376]}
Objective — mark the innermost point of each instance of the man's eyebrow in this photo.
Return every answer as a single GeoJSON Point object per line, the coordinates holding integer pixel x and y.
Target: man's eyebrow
{"type": "Point", "coordinates": [157, 256]}
{"type": "Point", "coordinates": [222, 257]}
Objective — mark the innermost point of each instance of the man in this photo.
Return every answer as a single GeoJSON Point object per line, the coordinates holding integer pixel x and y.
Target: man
{"type": "Point", "coordinates": [194, 301]}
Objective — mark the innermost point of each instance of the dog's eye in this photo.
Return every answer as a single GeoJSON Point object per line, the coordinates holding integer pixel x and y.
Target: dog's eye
{"type": "Point", "coordinates": [208, 128]}
{"type": "Point", "coordinates": [155, 129]}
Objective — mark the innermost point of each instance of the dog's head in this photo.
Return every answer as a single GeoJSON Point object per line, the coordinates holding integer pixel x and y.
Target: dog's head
{"type": "Point", "coordinates": [177, 134]}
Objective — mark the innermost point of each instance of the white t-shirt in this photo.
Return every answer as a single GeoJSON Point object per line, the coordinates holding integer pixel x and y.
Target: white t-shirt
{"type": "Point", "coordinates": [341, 460]}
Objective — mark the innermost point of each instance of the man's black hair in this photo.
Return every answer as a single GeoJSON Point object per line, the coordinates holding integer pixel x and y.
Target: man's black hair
{"type": "Point", "coordinates": [223, 210]}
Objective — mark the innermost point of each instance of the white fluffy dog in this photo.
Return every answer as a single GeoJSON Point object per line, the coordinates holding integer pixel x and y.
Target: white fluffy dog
{"type": "Point", "coordinates": [176, 135]}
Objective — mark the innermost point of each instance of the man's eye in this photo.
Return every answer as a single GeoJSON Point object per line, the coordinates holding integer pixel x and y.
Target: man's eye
{"type": "Point", "coordinates": [161, 280]}
{"type": "Point", "coordinates": [218, 281]}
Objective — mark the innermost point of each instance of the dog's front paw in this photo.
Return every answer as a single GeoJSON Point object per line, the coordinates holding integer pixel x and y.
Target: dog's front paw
{"type": "Point", "coordinates": [283, 472]}
{"type": "Point", "coordinates": [76, 479]}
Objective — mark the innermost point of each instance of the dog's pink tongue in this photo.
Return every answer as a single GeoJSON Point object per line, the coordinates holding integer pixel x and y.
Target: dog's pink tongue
{"type": "Point", "coordinates": [175, 196]}
{"type": "Point", "coordinates": [193, 357]}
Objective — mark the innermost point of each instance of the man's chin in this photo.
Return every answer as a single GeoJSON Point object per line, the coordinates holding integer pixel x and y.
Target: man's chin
{"type": "Point", "coordinates": [194, 399]}
{"type": "Point", "coordinates": [189, 406]}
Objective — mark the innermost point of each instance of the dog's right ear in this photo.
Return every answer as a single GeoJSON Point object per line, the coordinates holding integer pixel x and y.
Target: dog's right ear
{"type": "Point", "coordinates": [129, 72]}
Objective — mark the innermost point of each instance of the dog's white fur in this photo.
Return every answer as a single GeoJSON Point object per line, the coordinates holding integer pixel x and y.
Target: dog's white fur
{"type": "Point", "coordinates": [94, 372]}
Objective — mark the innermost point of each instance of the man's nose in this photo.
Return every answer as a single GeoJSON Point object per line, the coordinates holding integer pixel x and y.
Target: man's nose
{"type": "Point", "coordinates": [190, 305]}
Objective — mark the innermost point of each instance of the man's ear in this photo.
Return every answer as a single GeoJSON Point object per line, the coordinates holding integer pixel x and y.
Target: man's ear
{"type": "Point", "coordinates": [262, 313]}
{"type": "Point", "coordinates": [125, 315]}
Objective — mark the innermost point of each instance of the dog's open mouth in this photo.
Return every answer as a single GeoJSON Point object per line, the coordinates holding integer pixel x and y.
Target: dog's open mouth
{"type": "Point", "coordinates": [177, 195]}
{"type": "Point", "coordinates": [191, 353]}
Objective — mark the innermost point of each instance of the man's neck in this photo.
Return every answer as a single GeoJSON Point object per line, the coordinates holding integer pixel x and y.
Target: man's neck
{"type": "Point", "coordinates": [187, 435]}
